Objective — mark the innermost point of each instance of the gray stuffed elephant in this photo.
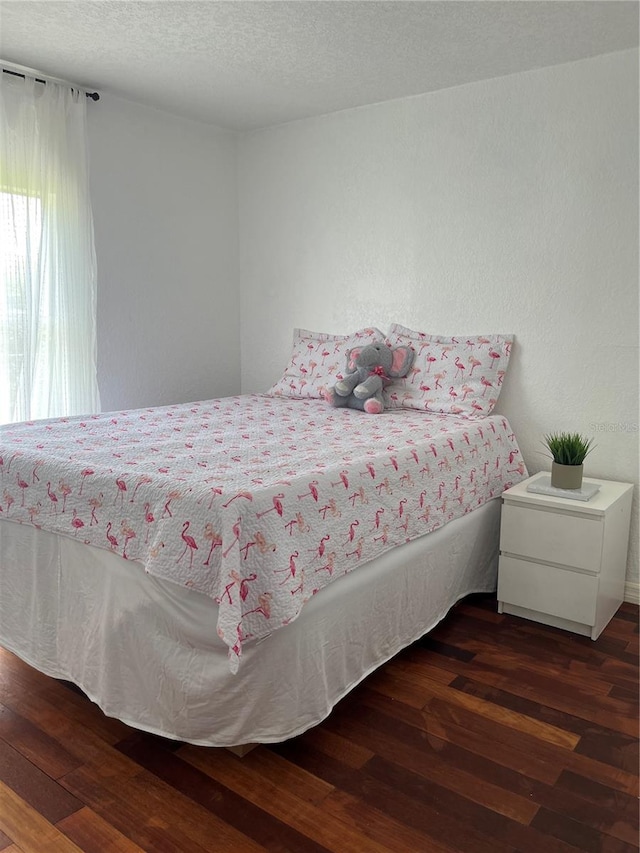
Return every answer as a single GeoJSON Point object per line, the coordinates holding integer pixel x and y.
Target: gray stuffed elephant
{"type": "Point", "coordinates": [369, 369]}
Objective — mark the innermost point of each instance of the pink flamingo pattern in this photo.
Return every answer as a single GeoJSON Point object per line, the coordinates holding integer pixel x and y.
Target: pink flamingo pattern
{"type": "Point", "coordinates": [22, 485]}
{"type": "Point", "coordinates": [189, 543]}
{"type": "Point", "coordinates": [113, 542]}
{"type": "Point", "coordinates": [76, 522]}
{"type": "Point", "coordinates": [473, 372]}
{"type": "Point", "coordinates": [65, 490]}
{"type": "Point", "coordinates": [211, 536]}
{"type": "Point", "coordinates": [211, 496]}
{"type": "Point", "coordinates": [53, 498]}
{"type": "Point", "coordinates": [95, 503]}
{"type": "Point", "coordinates": [87, 472]}
{"type": "Point", "coordinates": [128, 533]}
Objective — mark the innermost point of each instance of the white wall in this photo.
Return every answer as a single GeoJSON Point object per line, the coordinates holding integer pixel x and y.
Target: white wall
{"type": "Point", "coordinates": [509, 205]}
{"type": "Point", "coordinates": [164, 197]}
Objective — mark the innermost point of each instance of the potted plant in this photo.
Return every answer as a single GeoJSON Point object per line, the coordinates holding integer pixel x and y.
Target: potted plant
{"type": "Point", "coordinates": [568, 451]}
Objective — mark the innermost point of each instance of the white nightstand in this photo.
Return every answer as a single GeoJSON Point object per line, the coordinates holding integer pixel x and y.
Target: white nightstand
{"type": "Point", "coordinates": [563, 562]}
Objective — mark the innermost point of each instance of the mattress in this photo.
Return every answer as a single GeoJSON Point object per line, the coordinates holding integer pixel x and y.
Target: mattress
{"type": "Point", "coordinates": [145, 649]}
{"type": "Point", "coordinates": [257, 502]}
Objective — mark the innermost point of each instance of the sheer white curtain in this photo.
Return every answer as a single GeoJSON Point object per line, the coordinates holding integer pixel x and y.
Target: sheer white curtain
{"type": "Point", "coordinates": [47, 256]}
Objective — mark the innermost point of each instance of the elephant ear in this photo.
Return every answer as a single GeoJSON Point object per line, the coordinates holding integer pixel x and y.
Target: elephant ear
{"type": "Point", "coordinates": [352, 357]}
{"type": "Point", "coordinates": [402, 361]}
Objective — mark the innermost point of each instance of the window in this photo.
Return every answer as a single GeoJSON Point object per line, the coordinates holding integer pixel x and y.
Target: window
{"type": "Point", "coordinates": [47, 258]}
{"type": "Point", "coordinates": [21, 228]}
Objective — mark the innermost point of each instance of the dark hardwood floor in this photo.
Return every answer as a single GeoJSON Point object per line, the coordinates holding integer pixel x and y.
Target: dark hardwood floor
{"type": "Point", "coordinates": [491, 735]}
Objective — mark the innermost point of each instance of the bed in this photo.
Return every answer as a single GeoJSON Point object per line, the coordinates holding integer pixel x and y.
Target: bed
{"type": "Point", "coordinates": [223, 572]}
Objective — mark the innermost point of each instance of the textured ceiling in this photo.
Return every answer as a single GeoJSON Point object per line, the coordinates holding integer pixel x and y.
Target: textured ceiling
{"type": "Point", "coordinates": [244, 65]}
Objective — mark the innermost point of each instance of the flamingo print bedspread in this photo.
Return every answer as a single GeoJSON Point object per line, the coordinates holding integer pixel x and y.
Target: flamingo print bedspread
{"type": "Point", "coordinates": [258, 502]}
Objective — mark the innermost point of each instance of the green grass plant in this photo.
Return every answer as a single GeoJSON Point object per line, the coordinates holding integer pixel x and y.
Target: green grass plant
{"type": "Point", "coordinates": [568, 448]}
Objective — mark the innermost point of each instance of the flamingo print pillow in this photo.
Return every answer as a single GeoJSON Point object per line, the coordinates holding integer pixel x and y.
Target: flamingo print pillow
{"type": "Point", "coordinates": [318, 361]}
{"type": "Point", "coordinates": [459, 375]}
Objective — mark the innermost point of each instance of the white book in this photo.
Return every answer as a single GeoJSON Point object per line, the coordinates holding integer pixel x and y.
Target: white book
{"type": "Point", "coordinates": [542, 486]}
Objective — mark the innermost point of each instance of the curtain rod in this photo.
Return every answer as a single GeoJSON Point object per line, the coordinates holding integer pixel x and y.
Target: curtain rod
{"type": "Point", "coordinates": [39, 77]}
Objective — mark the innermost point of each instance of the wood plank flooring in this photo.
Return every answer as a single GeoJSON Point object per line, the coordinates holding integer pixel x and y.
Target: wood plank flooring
{"type": "Point", "coordinates": [490, 735]}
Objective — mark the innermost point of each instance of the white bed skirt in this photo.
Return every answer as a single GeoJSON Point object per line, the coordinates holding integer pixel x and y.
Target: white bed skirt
{"type": "Point", "coordinates": [146, 650]}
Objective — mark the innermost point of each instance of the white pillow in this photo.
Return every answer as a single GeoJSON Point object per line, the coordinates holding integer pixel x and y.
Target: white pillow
{"type": "Point", "coordinates": [318, 361]}
{"type": "Point", "coordinates": [456, 375]}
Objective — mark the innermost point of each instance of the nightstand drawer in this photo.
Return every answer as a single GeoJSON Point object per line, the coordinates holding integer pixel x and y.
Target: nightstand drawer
{"type": "Point", "coordinates": [558, 592]}
{"type": "Point", "coordinates": [552, 537]}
